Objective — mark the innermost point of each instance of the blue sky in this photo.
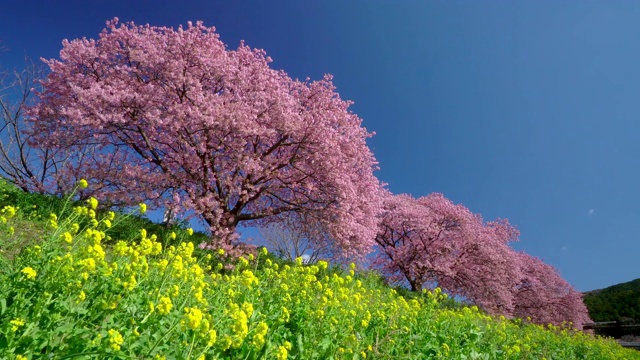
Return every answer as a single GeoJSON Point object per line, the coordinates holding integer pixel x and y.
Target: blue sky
{"type": "Point", "coordinates": [520, 110]}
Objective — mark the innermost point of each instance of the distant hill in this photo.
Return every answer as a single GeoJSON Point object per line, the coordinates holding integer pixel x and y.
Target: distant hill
{"type": "Point", "coordinates": [619, 302]}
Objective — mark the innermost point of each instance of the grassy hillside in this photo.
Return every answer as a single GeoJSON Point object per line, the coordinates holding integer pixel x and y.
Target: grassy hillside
{"type": "Point", "coordinates": [615, 303]}
{"type": "Point", "coordinates": [84, 285]}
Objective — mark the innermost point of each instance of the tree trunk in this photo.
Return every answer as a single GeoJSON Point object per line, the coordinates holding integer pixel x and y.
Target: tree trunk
{"type": "Point", "coordinates": [224, 230]}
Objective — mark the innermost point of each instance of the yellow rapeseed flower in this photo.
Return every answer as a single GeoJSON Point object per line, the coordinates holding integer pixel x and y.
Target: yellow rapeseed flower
{"type": "Point", "coordinates": [323, 265]}
{"type": "Point", "coordinates": [282, 353]}
{"type": "Point", "coordinates": [142, 207]}
{"type": "Point", "coordinates": [29, 272]}
{"type": "Point", "coordinates": [247, 308]}
{"type": "Point", "coordinates": [226, 342]}
{"type": "Point", "coordinates": [157, 248]}
{"type": "Point", "coordinates": [240, 326]}
{"type": "Point", "coordinates": [285, 315]}
{"type": "Point", "coordinates": [164, 305]}
{"type": "Point", "coordinates": [82, 184]}
{"type": "Point", "coordinates": [131, 284]}
{"type": "Point", "coordinates": [446, 348]}
{"type": "Point", "coordinates": [145, 247]}
{"type": "Point", "coordinates": [53, 220]}
{"type": "Point", "coordinates": [115, 339]}
{"type": "Point", "coordinates": [16, 324]}
{"type": "Point", "coordinates": [67, 237]}
{"type": "Point", "coordinates": [193, 317]}
{"type": "Point", "coordinates": [259, 336]}
{"type": "Point", "coordinates": [9, 211]}
{"type": "Point", "coordinates": [89, 264]}
{"type": "Point", "coordinates": [92, 202]}
{"type": "Point", "coordinates": [186, 249]}
{"type": "Point", "coordinates": [97, 252]}
{"type": "Point", "coordinates": [243, 262]}
{"type": "Point", "coordinates": [121, 248]}
{"type": "Point", "coordinates": [248, 279]}
{"type": "Point", "coordinates": [211, 337]}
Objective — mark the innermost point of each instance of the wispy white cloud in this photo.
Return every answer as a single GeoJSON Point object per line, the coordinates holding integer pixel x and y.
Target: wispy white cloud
{"type": "Point", "coordinates": [591, 211]}
{"type": "Point", "coordinates": [564, 248]}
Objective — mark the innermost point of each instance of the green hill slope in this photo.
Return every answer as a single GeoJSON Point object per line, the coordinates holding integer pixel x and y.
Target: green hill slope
{"type": "Point", "coordinates": [619, 302]}
{"type": "Point", "coordinates": [73, 286]}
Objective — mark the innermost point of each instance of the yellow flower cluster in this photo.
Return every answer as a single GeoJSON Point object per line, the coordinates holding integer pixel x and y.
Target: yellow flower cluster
{"type": "Point", "coordinates": [82, 184]}
{"type": "Point", "coordinates": [7, 213]}
{"type": "Point", "coordinates": [260, 335]}
{"type": "Point", "coordinates": [248, 279]}
{"type": "Point", "coordinates": [67, 237]}
{"type": "Point", "coordinates": [29, 273]}
{"type": "Point", "coordinates": [53, 220]}
{"type": "Point", "coordinates": [115, 339]}
{"type": "Point", "coordinates": [240, 327]}
{"type": "Point", "coordinates": [92, 203]}
{"type": "Point", "coordinates": [164, 305]}
{"type": "Point", "coordinates": [193, 317]}
{"type": "Point", "coordinates": [16, 324]}
{"type": "Point", "coordinates": [282, 353]}
{"type": "Point", "coordinates": [205, 311]}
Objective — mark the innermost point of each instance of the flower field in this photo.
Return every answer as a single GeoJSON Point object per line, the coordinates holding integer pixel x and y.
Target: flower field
{"type": "Point", "coordinates": [79, 292]}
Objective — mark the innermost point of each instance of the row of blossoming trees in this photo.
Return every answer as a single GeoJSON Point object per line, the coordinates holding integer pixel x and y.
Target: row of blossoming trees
{"type": "Point", "coordinates": [174, 118]}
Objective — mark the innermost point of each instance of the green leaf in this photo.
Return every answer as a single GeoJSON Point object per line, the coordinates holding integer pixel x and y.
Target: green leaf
{"type": "Point", "coordinates": [300, 343]}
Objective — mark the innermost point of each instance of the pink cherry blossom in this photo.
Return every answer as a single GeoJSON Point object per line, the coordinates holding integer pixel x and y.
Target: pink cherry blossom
{"type": "Point", "coordinates": [177, 115]}
{"type": "Point", "coordinates": [431, 241]}
{"type": "Point", "coordinates": [544, 296]}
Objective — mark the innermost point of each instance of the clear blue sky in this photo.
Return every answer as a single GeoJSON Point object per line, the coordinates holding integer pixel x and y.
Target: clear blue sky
{"type": "Point", "coordinates": [522, 110]}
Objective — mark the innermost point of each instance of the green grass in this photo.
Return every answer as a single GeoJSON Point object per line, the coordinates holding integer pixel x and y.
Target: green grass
{"type": "Point", "coordinates": [86, 287]}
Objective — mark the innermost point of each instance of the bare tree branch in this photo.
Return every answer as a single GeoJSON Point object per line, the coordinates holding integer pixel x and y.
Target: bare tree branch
{"type": "Point", "coordinates": [298, 235]}
{"type": "Point", "coordinates": [30, 169]}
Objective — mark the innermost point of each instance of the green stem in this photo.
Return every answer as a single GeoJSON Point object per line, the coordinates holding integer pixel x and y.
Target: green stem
{"type": "Point", "coordinates": [162, 337]}
{"type": "Point", "coordinates": [171, 328]}
{"type": "Point", "coordinates": [193, 342]}
{"type": "Point", "coordinates": [80, 354]}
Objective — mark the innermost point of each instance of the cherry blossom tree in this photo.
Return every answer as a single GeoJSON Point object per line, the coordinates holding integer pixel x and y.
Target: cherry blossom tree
{"type": "Point", "coordinates": [430, 240]}
{"type": "Point", "coordinates": [542, 295]}
{"type": "Point", "coordinates": [180, 120]}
